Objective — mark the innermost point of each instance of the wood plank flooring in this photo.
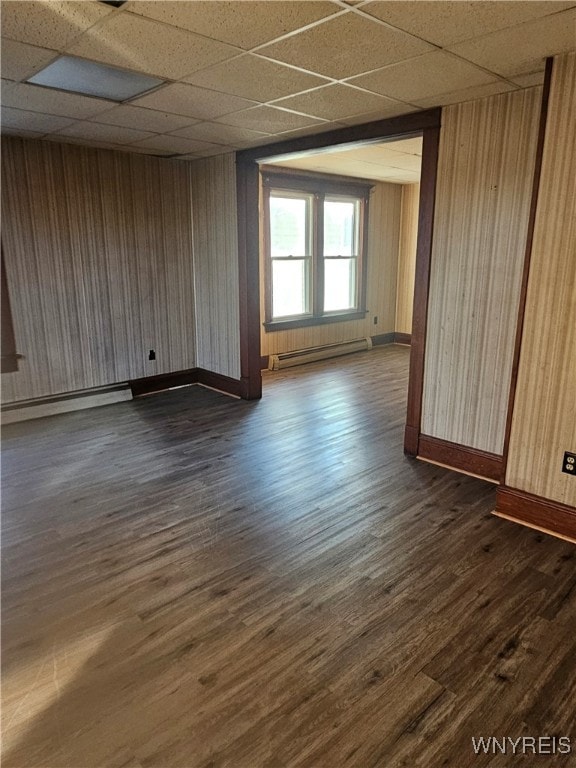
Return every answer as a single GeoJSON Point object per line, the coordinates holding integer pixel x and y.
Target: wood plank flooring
{"type": "Point", "coordinates": [191, 581]}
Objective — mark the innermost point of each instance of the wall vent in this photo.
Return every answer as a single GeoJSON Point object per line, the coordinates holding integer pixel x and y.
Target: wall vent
{"type": "Point", "coordinates": [312, 354]}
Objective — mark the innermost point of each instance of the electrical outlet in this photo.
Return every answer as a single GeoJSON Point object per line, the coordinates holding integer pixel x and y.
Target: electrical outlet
{"type": "Point", "coordinates": [152, 355]}
{"type": "Point", "coordinates": [569, 464]}
{"type": "Point", "coordinates": [375, 319]}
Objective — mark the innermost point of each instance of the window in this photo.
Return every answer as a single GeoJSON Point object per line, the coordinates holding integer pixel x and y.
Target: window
{"type": "Point", "coordinates": [315, 242]}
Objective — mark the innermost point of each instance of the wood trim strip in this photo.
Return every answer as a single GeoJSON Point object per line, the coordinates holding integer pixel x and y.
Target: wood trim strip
{"type": "Point", "coordinates": [379, 129]}
{"type": "Point", "coordinates": [403, 338]}
{"type": "Point", "coordinates": [527, 259]}
{"type": "Point", "coordinates": [411, 435]}
{"type": "Point", "coordinates": [383, 338]}
{"type": "Point", "coordinates": [427, 122]}
{"type": "Point", "coordinates": [149, 384]}
{"type": "Point", "coordinates": [249, 277]}
{"type": "Point", "coordinates": [536, 512]}
{"type": "Point", "coordinates": [430, 147]}
{"type": "Point", "coordinates": [460, 457]}
{"type": "Point", "coordinates": [220, 382]}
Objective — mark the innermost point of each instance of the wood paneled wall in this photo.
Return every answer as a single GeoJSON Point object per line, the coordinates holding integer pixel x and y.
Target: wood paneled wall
{"type": "Point", "coordinates": [486, 166]}
{"type": "Point", "coordinates": [544, 416]}
{"type": "Point", "coordinates": [383, 240]}
{"type": "Point", "coordinates": [407, 257]}
{"type": "Point", "coordinates": [216, 264]}
{"type": "Point", "coordinates": [98, 251]}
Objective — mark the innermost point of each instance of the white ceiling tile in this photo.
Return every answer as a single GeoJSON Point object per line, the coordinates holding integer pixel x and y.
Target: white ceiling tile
{"type": "Point", "coordinates": [111, 134]}
{"type": "Point", "coordinates": [529, 80]}
{"type": "Point", "coordinates": [183, 99]}
{"type": "Point", "coordinates": [254, 77]}
{"type": "Point", "coordinates": [387, 153]}
{"type": "Point", "coordinates": [345, 46]}
{"type": "Point", "coordinates": [53, 24]}
{"type": "Point", "coordinates": [32, 121]}
{"type": "Point", "coordinates": [401, 109]}
{"type": "Point", "coordinates": [424, 76]}
{"type": "Point", "coordinates": [176, 144]}
{"type": "Point", "coordinates": [131, 116]}
{"type": "Point", "coordinates": [522, 49]}
{"type": "Point", "coordinates": [374, 161]}
{"type": "Point", "coordinates": [268, 120]}
{"type": "Point", "coordinates": [222, 149]}
{"type": "Point", "coordinates": [406, 162]}
{"type": "Point", "coordinates": [133, 42]}
{"type": "Point", "coordinates": [134, 148]}
{"type": "Point", "coordinates": [21, 133]}
{"type": "Point", "coordinates": [20, 61]}
{"type": "Point", "coordinates": [334, 102]}
{"type": "Point", "coordinates": [49, 100]}
{"type": "Point", "coordinates": [59, 138]}
{"type": "Point", "coordinates": [411, 146]}
{"type": "Point", "coordinates": [246, 24]}
{"type": "Point", "coordinates": [219, 150]}
{"type": "Point", "coordinates": [465, 94]}
{"type": "Point", "coordinates": [217, 132]}
{"type": "Point", "coordinates": [451, 21]}
{"type": "Point", "coordinates": [331, 125]}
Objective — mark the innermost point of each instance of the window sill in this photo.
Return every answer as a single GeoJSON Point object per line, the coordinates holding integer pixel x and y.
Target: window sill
{"type": "Point", "coordinates": [305, 322]}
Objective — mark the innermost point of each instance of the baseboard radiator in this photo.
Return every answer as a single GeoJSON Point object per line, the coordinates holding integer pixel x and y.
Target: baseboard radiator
{"type": "Point", "coordinates": [52, 405]}
{"type": "Point", "coordinates": [313, 354]}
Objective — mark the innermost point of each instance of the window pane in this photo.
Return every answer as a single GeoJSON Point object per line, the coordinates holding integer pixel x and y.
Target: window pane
{"type": "Point", "coordinates": [339, 284]}
{"type": "Point", "coordinates": [289, 293]}
{"type": "Point", "coordinates": [288, 226]}
{"type": "Point", "coordinates": [340, 228]}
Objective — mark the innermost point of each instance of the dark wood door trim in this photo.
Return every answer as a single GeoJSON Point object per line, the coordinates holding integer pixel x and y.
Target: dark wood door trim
{"type": "Point", "coordinates": [527, 258]}
{"type": "Point", "coordinates": [249, 278]}
{"type": "Point", "coordinates": [426, 123]}
{"type": "Point", "coordinates": [9, 356]}
{"type": "Point", "coordinates": [462, 458]}
{"type": "Point", "coordinates": [536, 512]}
{"type": "Point", "coordinates": [428, 175]}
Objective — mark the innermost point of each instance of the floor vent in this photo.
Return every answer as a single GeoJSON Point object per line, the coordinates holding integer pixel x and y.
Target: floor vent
{"type": "Point", "coordinates": [311, 355]}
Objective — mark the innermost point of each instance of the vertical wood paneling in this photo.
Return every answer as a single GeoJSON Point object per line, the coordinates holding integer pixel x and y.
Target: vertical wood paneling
{"type": "Point", "coordinates": [98, 249]}
{"type": "Point", "coordinates": [486, 165]}
{"type": "Point", "coordinates": [544, 417]}
{"type": "Point", "coordinates": [216, 264]}
{"type": "Point", "coordinates": [407, 257]}
{"type": "Point", "coordinates": [383, 240]}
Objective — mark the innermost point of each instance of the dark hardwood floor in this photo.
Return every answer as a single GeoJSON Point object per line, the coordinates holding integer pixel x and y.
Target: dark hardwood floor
{"type": "Point", "coordinates": [191, 581]}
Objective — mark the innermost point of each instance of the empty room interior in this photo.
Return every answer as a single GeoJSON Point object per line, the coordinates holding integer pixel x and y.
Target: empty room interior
{"type": "Point", "coordinates": [288, 383]}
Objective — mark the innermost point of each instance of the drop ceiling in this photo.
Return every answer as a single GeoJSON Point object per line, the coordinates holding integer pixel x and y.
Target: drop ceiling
{"type": "Point", "coordinates": [396, 162]}
{"type": "Point", "coordinates": [249, 72]}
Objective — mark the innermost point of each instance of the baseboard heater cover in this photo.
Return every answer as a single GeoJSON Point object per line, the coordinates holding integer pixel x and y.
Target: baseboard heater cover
{"type": "Point", "coordinates": [313, 354]}
{"type": "Point", "coordinates": [38, 408]}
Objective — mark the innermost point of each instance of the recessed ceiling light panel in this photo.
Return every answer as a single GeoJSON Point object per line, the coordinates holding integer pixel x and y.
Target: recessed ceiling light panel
{"type": "Point", "coordinates": [69, 73]}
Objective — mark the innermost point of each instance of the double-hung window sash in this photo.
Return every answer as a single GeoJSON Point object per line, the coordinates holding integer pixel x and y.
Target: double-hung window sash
{"type": "Point", "coordinates": [315, 243]}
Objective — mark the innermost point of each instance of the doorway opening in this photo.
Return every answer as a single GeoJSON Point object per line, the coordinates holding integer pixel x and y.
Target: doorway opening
{"type": "Point", "coordinates": [424, 126]}
{"type": "Point", "coordinates": [338, 233]}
